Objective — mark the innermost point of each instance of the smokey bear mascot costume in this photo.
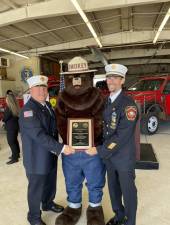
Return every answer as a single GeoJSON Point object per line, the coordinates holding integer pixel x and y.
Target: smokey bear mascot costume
{"type": "Point", "coordinates": [80, 99]}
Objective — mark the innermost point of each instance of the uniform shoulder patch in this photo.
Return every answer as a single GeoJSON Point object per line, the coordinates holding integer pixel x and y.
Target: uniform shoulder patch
{"type": "Point", "coordinates": [131, 112]}
{"type": "Point", "coordinates": [28, 113]}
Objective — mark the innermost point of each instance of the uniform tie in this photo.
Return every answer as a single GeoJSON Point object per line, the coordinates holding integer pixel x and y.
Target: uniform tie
{"type": "Point", "coordinates": [47, 109]}
{"type": "Point", "coordinates": [109, 101]}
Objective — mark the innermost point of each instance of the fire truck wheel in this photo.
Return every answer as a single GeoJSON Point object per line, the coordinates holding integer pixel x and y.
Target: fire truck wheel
{"type": "Point", "coordinates": [149, 123]}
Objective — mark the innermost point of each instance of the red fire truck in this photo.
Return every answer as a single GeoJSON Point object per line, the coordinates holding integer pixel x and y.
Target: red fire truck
{"type": "Point", "coordinates": [153, 97]}
{"type": "Point", "coordinates": [152, 94]}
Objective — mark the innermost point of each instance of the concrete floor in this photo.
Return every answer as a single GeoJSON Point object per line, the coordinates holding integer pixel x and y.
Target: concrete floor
{"type": "Point", "coordinates": [153, 188]}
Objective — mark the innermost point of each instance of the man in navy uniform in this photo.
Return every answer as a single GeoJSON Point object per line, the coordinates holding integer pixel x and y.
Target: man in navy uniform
{"type": "Point", "coordinates": [118, 149]}
{"type": "Point", "coordinates": [40, 150]}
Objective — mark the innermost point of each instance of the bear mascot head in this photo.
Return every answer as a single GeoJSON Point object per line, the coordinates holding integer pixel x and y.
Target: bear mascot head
{"type": "Point", "coordinates": [79, 99]}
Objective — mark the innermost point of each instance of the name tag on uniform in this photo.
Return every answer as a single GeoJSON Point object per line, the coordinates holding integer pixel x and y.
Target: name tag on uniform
{"type": "Point", "coordinates": [28, 113]}
{"type": "Point", "coordinates": [111, 146]}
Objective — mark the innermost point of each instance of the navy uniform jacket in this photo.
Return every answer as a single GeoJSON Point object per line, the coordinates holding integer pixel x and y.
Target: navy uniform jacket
{"type": "Point", "coordinates": [11, 121]}
{"type": "Point", "coordinates": [39, 138]}
{"type": "Point", "coordinates": [119, 123]}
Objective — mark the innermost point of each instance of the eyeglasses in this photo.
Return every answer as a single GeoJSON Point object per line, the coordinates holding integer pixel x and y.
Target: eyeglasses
{"type": "Point", "coordinates": [41, 85]}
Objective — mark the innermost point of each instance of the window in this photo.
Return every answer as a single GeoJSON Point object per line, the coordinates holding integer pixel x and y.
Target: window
{"type": "Point", "coordinates": [147, 85]}
{"type": "Point", "coordinates": [167, 88]}
{"type": "Point", "coordinates": [102, 85]}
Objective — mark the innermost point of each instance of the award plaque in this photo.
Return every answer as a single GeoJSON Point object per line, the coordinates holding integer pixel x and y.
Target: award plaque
{"type": "Point", "coordinates": [80, 133]}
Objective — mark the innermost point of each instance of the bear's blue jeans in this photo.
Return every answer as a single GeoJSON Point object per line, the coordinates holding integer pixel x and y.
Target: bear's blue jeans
{"type": "Point", "coordinates": [78, 167]}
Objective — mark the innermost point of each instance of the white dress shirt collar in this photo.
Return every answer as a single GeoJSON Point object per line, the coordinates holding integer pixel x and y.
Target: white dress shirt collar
{"type": "Point", "coordinates": [115, 95]}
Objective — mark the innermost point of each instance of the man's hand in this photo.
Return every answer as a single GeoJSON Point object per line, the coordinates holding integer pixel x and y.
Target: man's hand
{"type": "Point", "coordinates": [91, 151]}
{"type": "Point", "coordinates": [68, 150]}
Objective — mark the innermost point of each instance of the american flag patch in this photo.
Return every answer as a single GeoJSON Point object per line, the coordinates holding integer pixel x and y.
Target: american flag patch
{"type": "Point", "coordinates": [28, 113]}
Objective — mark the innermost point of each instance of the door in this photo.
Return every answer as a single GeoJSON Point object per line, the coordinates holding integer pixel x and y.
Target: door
{"type": "Point", "coordinates": [166, 95]}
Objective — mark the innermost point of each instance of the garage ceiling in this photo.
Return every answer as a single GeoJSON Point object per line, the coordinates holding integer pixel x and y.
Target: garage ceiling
{"type": "Point", "coordinates": [56, 31]}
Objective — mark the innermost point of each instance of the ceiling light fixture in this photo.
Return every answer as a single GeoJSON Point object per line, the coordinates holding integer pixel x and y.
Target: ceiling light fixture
{"type": "Point", "coordinates": [162, 26]}
{"type": "Point", "coordinates": [86, 20]}
{"type": "Point", "coordinates": [13, 53]}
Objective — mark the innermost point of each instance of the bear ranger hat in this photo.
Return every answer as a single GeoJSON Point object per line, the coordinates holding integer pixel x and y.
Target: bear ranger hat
{"type": "Point", "coordinates": [116, 70]}
{"type": "Point", "coordinates": [78, 65]}
{"type": "Point", "coordinates": [37, 80]}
